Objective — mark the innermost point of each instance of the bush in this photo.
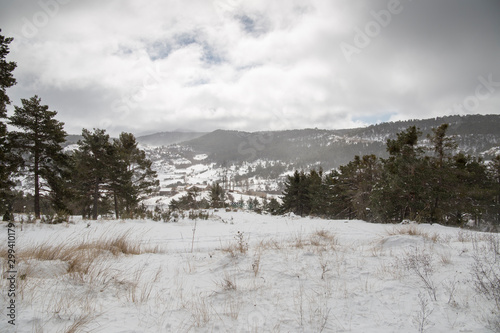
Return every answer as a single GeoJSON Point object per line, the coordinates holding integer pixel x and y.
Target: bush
{"type": "Point", "coordinates": [57, 218]}
{"type": "Point", "coordinates": [486, 278]}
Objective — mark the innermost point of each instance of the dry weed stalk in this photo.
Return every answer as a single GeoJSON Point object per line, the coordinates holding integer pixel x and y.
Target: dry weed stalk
{"type": "Point", "coordinates": [421, 318]}
{"type": "Point", "coordinates": [200, 312]}
{"type": "Point", "coordinates": [256, 265]}
{"type": "Point", "coordinates": [420, 262]}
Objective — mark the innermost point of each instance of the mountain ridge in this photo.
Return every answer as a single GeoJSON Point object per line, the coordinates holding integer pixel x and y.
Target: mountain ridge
{"type": "Point", "coordinates": [474, 135]}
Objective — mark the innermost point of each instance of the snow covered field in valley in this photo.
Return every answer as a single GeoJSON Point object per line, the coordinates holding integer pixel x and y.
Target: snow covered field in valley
{"type": "Point", "coordinates": [244, 272]}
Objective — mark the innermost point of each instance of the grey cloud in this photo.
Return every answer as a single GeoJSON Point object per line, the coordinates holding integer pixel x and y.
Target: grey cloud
{"type": "Point", "coordinates": [260, 65]}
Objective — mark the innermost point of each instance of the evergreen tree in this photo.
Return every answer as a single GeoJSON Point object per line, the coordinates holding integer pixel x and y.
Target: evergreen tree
{"type": "Point", "coordinates": [474, 194]}
{"type": "Point", "coordinates": [250, 204]}
{"type": "Point", "coordinates": [495, 180]}
{"type": "Point", "coordinates": [273, 207]}
{"type": "Point", "coordinates": [256, 206]}
{"type": "Point", "coordinates": [296, 194]}
{"type": "Point", "coordinates": [7, 80]}
{"type": "Point", "coordinates": [40, 140]}
{"type": "Point", "coordinates": [304, 194]}
{"type": "Point", "coordinates": [217, 196]}
{"type": "Point", "coordinates": [357, 180]}
{"type": "Point", "coordinates": [93, 161]}
{"type": "Point", "coordinates": [315, 195]}
{"type": "Point", "coordinates": [401, 191]}
{"type": "Point", "coordinates": [8, 162]}
{"type": "Point", "coordinates": [131, 175]}
{"type": "Point", "coordinates": [338, 204]}
{"type": "Point", "coordinates": [440, 177]}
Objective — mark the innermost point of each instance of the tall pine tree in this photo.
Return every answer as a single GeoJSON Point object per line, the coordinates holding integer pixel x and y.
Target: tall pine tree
{"type": "Point", "coordinates": [441, 182]}
{"type": "Point", "coordinates": [357, 180]}
{"type": "Point", "coordinates": [400, 192]}
{"type": "Point", "coordinates": [8, 162]}
{"type": "Point", "coordinates": [40, 141]}
{"type": "Point", "coordinates": [93, 161]}
{"type": "Point", "coordinates": [131, 175]}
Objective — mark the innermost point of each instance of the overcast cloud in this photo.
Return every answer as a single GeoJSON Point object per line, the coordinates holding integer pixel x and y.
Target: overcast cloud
{"type": "Point", "coordinates": [147, 66]}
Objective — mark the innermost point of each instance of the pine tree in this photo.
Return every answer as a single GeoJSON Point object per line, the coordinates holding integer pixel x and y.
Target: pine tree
{"type": "Point", "coordinates": [441, 175]}
{"type": "Point", "coordinates": [338, 204]}
{"type": "Point", "coordinates": [40, 139]}
{"type": "Point", "coordinates": [217, 196]}
{"type": "Point", "coordinates": [495, 179]}
{"type": "Point", "coordinates": [7, 80]}
{"type": "Point", "coordinates": [8, 162]}
{"type": "Point", "coordinates": [273, 206]}
{"type": "Point", "coordinates": [474, 193]}
{"type": "Point", "coordinates": [291, 194]}
{"type": "Point", "coordinates": [400, 192]}
{"type": "Point", "coordinates": [93, 161]}
{"type": "Point", "coordinates": [315, 195]}
{"type": "Point", "coordinates": [131, 174]}
{"type": "Point", "coordinates": [357, 180]}
{"type": "Point", "coordinates": [303, 193]}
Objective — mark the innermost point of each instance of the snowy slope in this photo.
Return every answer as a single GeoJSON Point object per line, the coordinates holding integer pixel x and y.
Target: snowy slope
{"type": "Point", "coordinates": [243, 272]}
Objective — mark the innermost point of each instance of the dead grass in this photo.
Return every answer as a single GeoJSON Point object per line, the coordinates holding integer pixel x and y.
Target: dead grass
{"type": "Point", "coordinates": [140, 289]}
{"type": "Point", "coordinates": [413, 230]}
{"type": "Point", "coordinates": [228, 282]}
{"type": "Point", "coordinates": [269, 244]}
{"type": "Point", "coordinates": [232, 307]}
{"type": "Point", "coordinates": [256, 264]}
{"type": "Point", "coordinates": [121, 244]}
{"type": "Point", "coordinates": [80, 324]}
{"type": "Point", "coordinates": [201, 312]}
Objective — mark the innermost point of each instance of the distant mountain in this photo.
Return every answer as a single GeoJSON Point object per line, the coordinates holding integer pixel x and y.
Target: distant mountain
{"type": "Point", "coordinates": [72, 139]}
{"type": "Point", "coordinates": [474, 134]}
{"type": "Point", "coordinates": [168, 138]}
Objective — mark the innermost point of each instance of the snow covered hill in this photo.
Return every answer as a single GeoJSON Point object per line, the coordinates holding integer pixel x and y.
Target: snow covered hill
{"type": "Point", "coordinates": [244, 272]}
{"type": "Point", "coordinates": [273, 154]}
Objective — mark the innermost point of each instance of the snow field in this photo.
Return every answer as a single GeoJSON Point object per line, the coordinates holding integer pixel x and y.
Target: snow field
{"type": "Point", "coordinates": [243, 272]}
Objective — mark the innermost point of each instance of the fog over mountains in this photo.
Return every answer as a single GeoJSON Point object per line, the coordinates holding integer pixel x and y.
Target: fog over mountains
{"type": "Point", "coordinates": [477, 135]}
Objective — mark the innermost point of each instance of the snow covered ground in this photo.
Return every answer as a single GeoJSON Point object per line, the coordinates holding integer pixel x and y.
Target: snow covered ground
{"type": "Point", "coordinates": [244, 272]}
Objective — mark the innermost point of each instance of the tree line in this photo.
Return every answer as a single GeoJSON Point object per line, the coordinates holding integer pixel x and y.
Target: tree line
{"type": "Point", "coordinates": [433, 185]}
{"type": "Point", "coordinates": [100, 176]}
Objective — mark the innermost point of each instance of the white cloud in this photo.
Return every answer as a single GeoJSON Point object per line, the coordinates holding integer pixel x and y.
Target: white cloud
{"type": "Point", "coordinates": [249, 65]}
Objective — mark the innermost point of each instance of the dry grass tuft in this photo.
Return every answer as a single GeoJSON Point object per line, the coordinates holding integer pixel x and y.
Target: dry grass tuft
{"type": "Point", "coordinates": [228, 283]}
{"type": "Point", "coordinates": [413, 230]}
{"type": "Point", "coordinates": [200, 312]}
{"type": "Point", "coordinates": [269, 244]}
{"type": "Point", "coordinates": [80, 324]}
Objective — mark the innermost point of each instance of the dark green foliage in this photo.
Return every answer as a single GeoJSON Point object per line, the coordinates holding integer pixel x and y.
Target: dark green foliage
{"type": "Point", "coordinates": [296, 194]}
{"type": "Point", "coordinates": [131, 176]}
{"type": "Point", "coordinates": [111, 174]}
{"type": "Point", "coordinates": [6, 78]}
{"type": "Point", "coordinates": [426, 185]}
{"type": "Point", "coordinates": [495, 178]}
{"type": "Point", "coordinates": [92, 178]}
{"type": "Point", "coordinates": [8, 162]}
{"type": "Point", "coordinates": [217, 196]}
{"type": "Point", "coordinates": [401, 190]}
{"type": "Point", "coordinates": [333, 148]}
{"type": "Point", "coordinates": [39, 141]}
{"type": "Point", "coordinates": [272, 207]}
{"type": "Point", "coordinates": [189, 201]}
{"type": "Point", "coordinates": [356, 182]}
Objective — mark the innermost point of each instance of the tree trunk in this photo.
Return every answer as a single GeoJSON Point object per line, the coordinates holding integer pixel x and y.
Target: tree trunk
{"type": "Point", "coordinates": [96, 200]}
{"type": "Point", "coordinates": [115, 197]}
{"type": "Point", "coordinates": [37, 187]}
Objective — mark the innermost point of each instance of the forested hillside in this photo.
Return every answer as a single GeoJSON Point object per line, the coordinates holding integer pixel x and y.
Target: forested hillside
{"type": "Point", "coordinates": [474, 134]}
{"type": "Point", "coordinates": [432, 184]}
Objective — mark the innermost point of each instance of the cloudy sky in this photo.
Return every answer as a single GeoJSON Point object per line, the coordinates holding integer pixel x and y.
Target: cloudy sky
{"type": "Point", "coordinates": [148, 66]}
